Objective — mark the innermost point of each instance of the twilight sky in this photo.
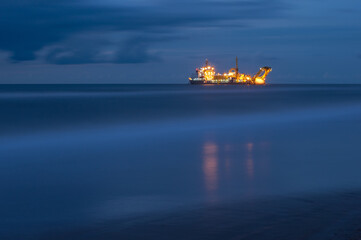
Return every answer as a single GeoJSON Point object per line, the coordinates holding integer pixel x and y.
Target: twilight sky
{"type": "Point", "coordinates": [159, 41]}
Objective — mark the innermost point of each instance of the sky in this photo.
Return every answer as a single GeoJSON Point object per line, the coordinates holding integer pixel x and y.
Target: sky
{"type": "Point", "coordinates": [160, 41]}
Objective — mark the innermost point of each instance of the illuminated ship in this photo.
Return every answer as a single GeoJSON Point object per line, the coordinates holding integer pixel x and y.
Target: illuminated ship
{"type": "Point", "coordinates": [207, 75]}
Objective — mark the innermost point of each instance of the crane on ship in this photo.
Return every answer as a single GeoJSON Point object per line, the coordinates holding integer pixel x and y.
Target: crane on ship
{"type": "Point", "coordinates": [260, 78]}
{"type": "Point", "coordinates": [234, 71]}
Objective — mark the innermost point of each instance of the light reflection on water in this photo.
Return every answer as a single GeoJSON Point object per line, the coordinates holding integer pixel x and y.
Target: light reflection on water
{"type": "Point", "coordinates": [228, 166]}
{"type": "Point", "coordinates": [210, 166]}
{"type": "Point", "coordinates": [250, 163]}
{"type": "Point", "coordinates": [234, 168]}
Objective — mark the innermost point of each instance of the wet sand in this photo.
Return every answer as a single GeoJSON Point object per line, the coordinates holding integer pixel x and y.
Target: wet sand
{"type": "Point", "coordinates": [333, 216]}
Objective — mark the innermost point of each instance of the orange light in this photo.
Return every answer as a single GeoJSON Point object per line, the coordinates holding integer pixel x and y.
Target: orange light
{"type": "Point", "coordinates": [259, 81]}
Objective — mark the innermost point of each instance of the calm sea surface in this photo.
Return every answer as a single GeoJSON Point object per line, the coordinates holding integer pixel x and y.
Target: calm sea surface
{"type": "Point", "coordinates": [83, 155]}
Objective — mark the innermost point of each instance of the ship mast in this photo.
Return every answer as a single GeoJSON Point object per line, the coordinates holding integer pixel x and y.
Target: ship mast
{"type": "Point", "coordinates": [236, 68]}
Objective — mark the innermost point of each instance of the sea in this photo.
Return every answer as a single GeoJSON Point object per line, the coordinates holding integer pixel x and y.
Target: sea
{"type": "Point", "coordinates": [129, 161]}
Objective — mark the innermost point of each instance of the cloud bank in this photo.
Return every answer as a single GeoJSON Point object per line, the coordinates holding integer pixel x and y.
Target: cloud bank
{"type": "Point", "coordinates": [79, 31]}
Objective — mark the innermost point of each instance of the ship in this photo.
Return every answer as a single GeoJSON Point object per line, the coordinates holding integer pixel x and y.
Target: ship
{"type": "Point", "coordinates": [207, 75]}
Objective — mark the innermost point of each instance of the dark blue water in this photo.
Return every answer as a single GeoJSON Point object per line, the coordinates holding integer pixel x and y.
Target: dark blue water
{"type": "Point", "coordinates": [81, 155]}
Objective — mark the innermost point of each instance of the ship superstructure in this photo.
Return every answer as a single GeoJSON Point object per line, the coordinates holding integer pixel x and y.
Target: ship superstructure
{"type": "Point", "coordinates": [207, 75]}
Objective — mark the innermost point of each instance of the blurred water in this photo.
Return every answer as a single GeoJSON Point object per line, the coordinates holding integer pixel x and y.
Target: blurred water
{"type": "Point", "coordinates": [83, 154]}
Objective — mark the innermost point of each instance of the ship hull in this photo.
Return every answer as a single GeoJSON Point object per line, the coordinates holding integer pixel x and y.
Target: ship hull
{"type": "Point", "coordinates": [197, 82]}
{"type": "Point", "coordinates": [230, 82]}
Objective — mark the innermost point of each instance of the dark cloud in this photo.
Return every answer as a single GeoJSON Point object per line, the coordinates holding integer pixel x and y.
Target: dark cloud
{"type": "Point", "coordinates": [81, 51]}
{"type": "Point", "coordinates": [28, 26]}
{"type": "Point", "coordinates": [132, 50]}
{"type": "Point", "coordinates": [135, 49]}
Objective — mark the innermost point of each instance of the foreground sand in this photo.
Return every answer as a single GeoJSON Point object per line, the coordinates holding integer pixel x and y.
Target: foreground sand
{"type": "Point", "coordinates": [334, 216]}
